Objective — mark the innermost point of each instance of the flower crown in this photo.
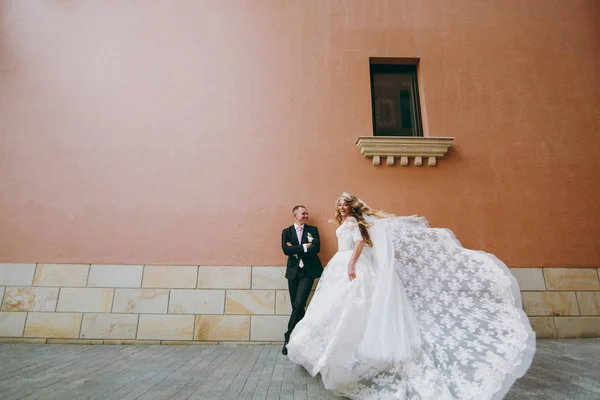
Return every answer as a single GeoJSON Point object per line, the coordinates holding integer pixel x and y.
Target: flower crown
{"type": "Point", "coordinates": [348, 196]}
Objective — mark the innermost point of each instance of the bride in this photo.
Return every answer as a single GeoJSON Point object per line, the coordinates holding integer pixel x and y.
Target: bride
{"type": "Point", "coordinates": [403, 311]}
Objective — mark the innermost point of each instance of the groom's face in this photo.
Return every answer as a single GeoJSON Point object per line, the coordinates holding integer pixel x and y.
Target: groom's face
{"type": "Point", "coordinates": [301, 216]}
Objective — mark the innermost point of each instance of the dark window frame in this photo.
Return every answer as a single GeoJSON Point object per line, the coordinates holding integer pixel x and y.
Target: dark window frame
{"type": "Point", "coordinates": [399, 66]}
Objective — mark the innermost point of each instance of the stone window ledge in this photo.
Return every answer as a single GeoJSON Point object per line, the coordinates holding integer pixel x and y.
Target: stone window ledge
{"type": "Point", "coordinates": [392, 147]}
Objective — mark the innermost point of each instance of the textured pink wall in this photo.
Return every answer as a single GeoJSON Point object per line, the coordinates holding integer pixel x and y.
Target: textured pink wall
{"type": "Point", "coordinates": [183, 132]}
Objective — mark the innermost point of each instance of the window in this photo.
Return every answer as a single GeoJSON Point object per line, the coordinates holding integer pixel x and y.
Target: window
{"type": "Point", "coordinates": [395, 98]}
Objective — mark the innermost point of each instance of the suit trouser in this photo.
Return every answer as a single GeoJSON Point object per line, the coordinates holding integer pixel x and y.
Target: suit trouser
{"type": "Point", "coordinates": [300, 288]}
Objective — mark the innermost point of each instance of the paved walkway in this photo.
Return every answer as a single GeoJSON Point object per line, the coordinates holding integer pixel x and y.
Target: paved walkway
{"type": "Point", "coordinates": [563, 369]}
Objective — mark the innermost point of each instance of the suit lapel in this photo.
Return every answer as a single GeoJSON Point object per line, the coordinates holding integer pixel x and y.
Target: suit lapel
{"type": "Point", "coordinates": [294, 235]}
{"type": "Point", "coordinates": [304, 233]}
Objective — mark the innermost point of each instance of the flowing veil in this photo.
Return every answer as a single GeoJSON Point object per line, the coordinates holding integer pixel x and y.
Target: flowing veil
{"type": "Point", "coordinates": [449, 319]}
{"type": "Point", "coordinates": [448, 316]}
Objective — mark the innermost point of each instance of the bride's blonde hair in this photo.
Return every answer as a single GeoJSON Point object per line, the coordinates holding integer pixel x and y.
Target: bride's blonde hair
{"type": "Point", "coordinates": [358, 210]}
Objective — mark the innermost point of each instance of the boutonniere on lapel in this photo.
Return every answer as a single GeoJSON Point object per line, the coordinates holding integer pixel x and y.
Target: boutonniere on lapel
{"type": "Point", "coordinates": [310, 237]}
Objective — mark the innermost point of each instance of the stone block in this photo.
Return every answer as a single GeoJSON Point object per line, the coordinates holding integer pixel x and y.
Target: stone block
{"type": "Point", "coordinates": [577, 327]}
{"type": "Point", "coordinates": [23, 340]}
{"type": "Point", "coordinates": [224, 277]}
{"type": "Point", "coordinates": [30, 299]}
{"type": "Point", "coordinates": [109, 326]}
{"type": "Point", "coordinates": [571, 279]}
{"type": "Point", "coordinates": [112, 342]}
{"type": "Point", "coordinates": [170, 276]}
{"type": "Point", "coordinates": [70, 275]}
{"type": "Point", "coordinates": [113, 276]}
{"type": "Point", "coordinates": [269, 278]}
{"type": "Point", "coordinates": [250, 302]}
{"type": "Point", "coordinates": [141, 301]}
{"type": "Point", "coordinates": [12, 324]}
{"type": "Point", "coordinates": [166, 327]}
{"type": "Point", "coordinates": [589, 303]}
{"type": "Point", "coordinates": [223, 327]}
{"type": "Point", "coordinates": [16, 274]}
{"type": "Point", "coordinates": [543, 327]}
{"type": "Point", "coordinates": [188, 343]}
{"type": "Point", "coordinates": [268, 328]}
{"type": "Point", "coordinates": [191, 301]}
{"type": "Point", "coordinates": [53, 325]}
{"type": "Point", "coordinates": [282, 302]}
{"type": "Point", "coordinates": [75, 341]}
{"type": "Point", "coordinates": [85, 300]}
{"type": "Point", "coordinates": [550, 303]}
{"type": "Point", "coordinates": [529, 278]}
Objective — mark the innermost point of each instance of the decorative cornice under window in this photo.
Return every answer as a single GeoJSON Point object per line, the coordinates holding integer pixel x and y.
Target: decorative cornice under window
{"type": "Point", "coordinates": [392, 147]}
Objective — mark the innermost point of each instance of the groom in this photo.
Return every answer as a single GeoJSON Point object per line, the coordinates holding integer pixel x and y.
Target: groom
{"type": "Point", "coordinates": [301, 243]}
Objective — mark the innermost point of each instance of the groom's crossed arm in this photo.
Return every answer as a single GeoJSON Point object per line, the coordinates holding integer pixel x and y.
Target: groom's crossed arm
{"type": "Point", "coordinates": [291, 250]}
{"type": "Point", "coordinates": [286, 246]}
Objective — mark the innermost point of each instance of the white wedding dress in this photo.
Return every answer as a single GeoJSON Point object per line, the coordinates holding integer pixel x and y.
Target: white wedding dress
{"type": "Point", "coordinates": [424, 319]}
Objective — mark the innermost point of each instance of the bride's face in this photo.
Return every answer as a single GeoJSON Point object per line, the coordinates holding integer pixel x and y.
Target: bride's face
{"type": "Point", "coordinates": [343, 208]}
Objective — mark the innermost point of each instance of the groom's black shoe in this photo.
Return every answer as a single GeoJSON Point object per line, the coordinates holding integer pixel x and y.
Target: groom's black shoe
{"type": "Point", "coordinates": [284, 349]}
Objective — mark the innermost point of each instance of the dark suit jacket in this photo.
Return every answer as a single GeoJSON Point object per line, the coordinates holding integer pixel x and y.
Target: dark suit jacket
{"type": "Point", "coordinates": [295, 252]}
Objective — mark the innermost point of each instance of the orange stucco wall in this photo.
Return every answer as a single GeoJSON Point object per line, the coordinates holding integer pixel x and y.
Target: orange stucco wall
{"type": "Point", "coordinates": [182, 132]}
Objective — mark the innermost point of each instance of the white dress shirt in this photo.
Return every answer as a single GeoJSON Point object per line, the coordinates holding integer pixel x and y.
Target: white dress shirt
{"type": "Point", "coordinates": [299, 236]}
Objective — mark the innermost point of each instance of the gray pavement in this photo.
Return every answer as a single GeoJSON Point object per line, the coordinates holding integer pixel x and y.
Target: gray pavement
{"type": "Point", "coordinates": [562, 369]}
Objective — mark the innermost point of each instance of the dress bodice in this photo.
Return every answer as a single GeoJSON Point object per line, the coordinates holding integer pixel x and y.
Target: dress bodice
{"type": "Point", "coordinates": [348, 234]}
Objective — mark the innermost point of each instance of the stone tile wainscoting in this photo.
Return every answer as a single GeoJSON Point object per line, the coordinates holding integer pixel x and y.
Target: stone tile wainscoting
{"type": "Point", "coordinates": [83, 303]}
{"type": "Point", "coordinates": [113, 304]}
{"type": "Point", "coordinates": [561, 302]}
